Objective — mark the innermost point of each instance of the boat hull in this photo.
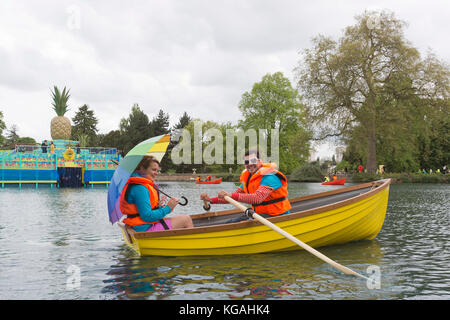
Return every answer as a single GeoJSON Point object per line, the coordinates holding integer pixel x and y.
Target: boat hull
{"type": "Point", "coordinates": [339, 182]}
{"type": "Point", "coordinates": [217, 181]}
{"type": "Point", "coordinates": [357, 218]}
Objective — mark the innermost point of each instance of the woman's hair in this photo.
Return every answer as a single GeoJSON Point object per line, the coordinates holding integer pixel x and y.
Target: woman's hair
{"type": "Point", "coordinates": [146, 162]}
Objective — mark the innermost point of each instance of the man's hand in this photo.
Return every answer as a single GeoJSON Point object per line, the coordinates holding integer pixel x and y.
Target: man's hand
{"type": "Point", "coordinates": [205, 197]}
{"type": "Point", "coordinates": [223, 193]}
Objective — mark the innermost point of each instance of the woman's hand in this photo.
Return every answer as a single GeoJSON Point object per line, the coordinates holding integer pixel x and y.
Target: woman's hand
{"type": "Point", "coordinates": [172, 203]}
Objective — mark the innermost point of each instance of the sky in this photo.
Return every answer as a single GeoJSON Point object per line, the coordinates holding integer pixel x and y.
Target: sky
{"type": "Point", "coordinates": [194, 56]}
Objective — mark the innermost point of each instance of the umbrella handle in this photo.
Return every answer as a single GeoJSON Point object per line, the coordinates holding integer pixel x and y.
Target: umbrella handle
{"type": "Point", "coordinates": [185, 201]}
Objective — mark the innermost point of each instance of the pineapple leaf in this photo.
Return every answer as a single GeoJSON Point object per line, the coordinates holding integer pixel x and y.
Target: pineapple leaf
{"type": "Point", "coordinates": [60, 101]}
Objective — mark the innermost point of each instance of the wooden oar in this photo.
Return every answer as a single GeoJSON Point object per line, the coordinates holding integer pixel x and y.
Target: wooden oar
{"type": "Point", "coordinates": [251, 213]}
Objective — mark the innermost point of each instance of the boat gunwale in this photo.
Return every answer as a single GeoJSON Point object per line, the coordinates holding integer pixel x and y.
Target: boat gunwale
{"type": "Point", "coordinates": [379, 184]}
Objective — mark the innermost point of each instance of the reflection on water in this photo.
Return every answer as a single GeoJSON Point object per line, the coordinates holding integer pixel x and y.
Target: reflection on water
{"type": "Point", "coordinates": [288, 275]}
{"type": "Point", "coordinates": [43, 232]}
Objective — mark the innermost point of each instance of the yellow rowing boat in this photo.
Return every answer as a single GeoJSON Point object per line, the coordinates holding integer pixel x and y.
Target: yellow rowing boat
{"type": "Point", "coordinates": [327, 218]}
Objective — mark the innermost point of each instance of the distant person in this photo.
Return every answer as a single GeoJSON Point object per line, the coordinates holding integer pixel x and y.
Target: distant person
{"type": "Point", "coordinates": [44, 146]}
{"type": "Point", "coordinates": [140, 201]}
{"type": "Point", "coordinates": [78, 148]}
{"type": "Point", "coordinates": [262, 186]}
{"type": "Point", "coordinates": [360, 168]}
{"type": "Point", "coordinates": [52, 147]}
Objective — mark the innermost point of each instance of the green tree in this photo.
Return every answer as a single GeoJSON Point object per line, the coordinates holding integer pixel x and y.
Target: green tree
{"type": "Point", "coordinates": [350, 83]}
{"type": "Point", "coordinates": [134, 129]}
{"type": "Point", "coordinates": [2, 127]}
{"type": "Point", "coordinates": [166, 163]}
{"type": "Point", "coordinates": [274, 104]}
{"type": "Point", "coordinates": [111, 139]}
{"type": "Point", "coordinates": [85, 125]}
{"type": "Point", "coordinates": [160, 124]}
{"type": "Point", "coordinates": [183, 121]}
{"type": "Point", "coordinates": [12, 137]}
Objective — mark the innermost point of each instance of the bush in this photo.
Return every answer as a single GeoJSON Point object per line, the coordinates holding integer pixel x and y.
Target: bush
{"type": "Point", "coordinates": [307, 173]}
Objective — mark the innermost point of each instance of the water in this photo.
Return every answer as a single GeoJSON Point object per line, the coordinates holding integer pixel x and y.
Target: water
{"type": "Point", "coordinates": [59, 244]}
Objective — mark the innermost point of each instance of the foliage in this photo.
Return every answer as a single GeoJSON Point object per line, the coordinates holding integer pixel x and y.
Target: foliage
{"type": "Point", "coordinates": [60, 101]}
{"type": "Point", "coordinates": [2, 127]}
{"type": "Point", "coordinates": [85, 125]}
{"type": "Point", "coordinates": [134, 129]}
{"type": "Point", "coordinates": [307, 173]}
{"type": "Point", "coordinates": [274, 104]}
{"type": "Point", "coordinates": [160, 124]}
{"type": "Point", "coordinates": [365, 87]}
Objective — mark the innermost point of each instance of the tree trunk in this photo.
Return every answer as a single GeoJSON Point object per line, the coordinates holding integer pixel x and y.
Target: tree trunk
{"type": "Point", "coordinates": [372, 150]}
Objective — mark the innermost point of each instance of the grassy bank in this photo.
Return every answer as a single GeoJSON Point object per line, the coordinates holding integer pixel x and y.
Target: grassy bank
{"type": "Point", "coordinates": [402, 177]}
{"type": "Point", "coordinates": [355, 177]}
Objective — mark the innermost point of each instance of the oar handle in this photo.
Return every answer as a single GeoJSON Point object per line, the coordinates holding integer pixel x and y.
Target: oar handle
{"type": "Point", "coordinates": [251, 213]}
{"type": "Point", "coordinates": [182, 197]}
{"type": "Point", "coordinates": [206, 205]}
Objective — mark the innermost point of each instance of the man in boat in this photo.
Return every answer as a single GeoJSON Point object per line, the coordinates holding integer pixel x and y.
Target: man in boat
{"type": "Point", "coordinates": [327, 179]}
{"type": "Point", "coordinates": [262, 186]}
{"type": "Point", "coordinates": [140, 201]}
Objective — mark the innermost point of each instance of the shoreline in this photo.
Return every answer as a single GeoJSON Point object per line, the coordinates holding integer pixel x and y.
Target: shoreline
{"type": "Point", "coordinates": [352, 178]}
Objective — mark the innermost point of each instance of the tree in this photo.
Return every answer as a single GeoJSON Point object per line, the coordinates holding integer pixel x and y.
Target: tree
{"type": "Point", "coordinates": [274, 104]}
{"type": "Point", "coordinates": [111, 139]}
{"type": "Point", "coordinates": [134, 129]}
{"type": "Point", "coordinates": [166, 162]}
{"type": "Point", "coordinates": [12, 136]}
{"type": "Point", "coordinates": [2, 127]}
{"type": "Point", "coordinates": [351, 82]}
{"type": "Point", "coordinates": [183, 121]}
{"type": "Point", "coordinates": [160, 124]}
{"type": "Point", "coordinates": [85, 125]}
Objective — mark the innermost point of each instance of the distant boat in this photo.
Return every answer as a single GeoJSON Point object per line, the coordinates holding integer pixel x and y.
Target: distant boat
{"type": "Point", "coordinates": [327, 218]}
{"type": "Point", "coordinates": [339, 182]}
{"type": "Point", "coordinates": [217, 181]}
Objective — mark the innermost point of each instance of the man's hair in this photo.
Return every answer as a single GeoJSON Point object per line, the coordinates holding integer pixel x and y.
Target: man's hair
{"type": "Point", "coordinates": [252, 151]}
{"type": "Point", "coordinates": [146, 162]}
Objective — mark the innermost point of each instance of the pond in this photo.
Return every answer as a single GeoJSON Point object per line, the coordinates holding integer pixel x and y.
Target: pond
{"type": "Point", "coordinates": [59, 244]}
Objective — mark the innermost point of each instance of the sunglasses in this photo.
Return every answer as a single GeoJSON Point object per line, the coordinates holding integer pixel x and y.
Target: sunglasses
{"type": "Point", "coordinates": [251, 161]}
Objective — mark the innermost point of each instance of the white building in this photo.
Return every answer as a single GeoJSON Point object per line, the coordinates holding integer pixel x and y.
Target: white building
{"type": "Point", "coordinates": [340, 153]}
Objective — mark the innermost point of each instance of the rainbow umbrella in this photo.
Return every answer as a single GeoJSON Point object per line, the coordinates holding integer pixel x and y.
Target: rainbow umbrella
{"type": "Point", "coordinates": [156, 147]}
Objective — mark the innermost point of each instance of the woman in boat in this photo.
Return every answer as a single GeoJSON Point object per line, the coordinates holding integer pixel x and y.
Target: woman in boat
{"type": "Point", "coordinates": [140, 201]}
{"type": "Point", "coordinates": [261, 186]}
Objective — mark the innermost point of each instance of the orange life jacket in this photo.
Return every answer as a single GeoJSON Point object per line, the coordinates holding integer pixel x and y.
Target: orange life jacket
{"type": "Point", "coordinates": [276, 203]}
{"type": "Point", "coordinates": [130, 209]}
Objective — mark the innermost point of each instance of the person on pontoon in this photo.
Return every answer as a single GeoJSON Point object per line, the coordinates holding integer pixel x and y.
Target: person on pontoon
{"type": "Point", "coordinates": [262, 186]}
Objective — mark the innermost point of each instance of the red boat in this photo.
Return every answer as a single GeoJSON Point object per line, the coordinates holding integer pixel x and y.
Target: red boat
{"type": "Point", "coordinates": [338, 182]}
{"type": "Point", "coordinates": [217, 181]}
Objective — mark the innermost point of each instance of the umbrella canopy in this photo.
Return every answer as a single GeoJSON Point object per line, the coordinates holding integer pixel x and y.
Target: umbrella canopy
{"type": "Point", "coordinates": [156, 147]}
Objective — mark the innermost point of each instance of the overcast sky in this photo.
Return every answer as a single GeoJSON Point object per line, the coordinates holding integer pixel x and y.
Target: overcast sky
{"type": "Point", "coordinates": [194, 56]}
